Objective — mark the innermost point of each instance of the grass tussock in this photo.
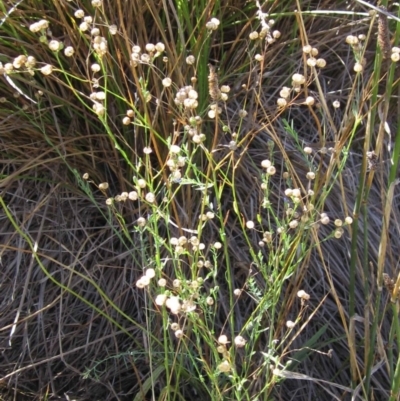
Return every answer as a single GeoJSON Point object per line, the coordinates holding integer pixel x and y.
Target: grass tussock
{"type": "Point", "coordinates": [199, 200]}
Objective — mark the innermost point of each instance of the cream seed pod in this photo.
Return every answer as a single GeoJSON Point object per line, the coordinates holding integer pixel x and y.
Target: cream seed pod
{"type": "Point", "coordinates": [190, 60]}
{"type": "Point", "coordinates": [175, 326]}
{"type": "Point", "coordinates": [242, 113]}
{"type": "Point", "coordinates": [133, 195]}
{"type": "Point", "coordinates": [95, 67]}
{"type": "Point", "coordinates": [100, 95]}
{"type": "Point", "coordinates": [55, 45]}
{"type": "Point", "coordinates": [223, 339]}
{"type": "Point", "coordinates": [150, 48]}
{"type": "Point", "coordinates": [395, 57]}
{"type": "Point", "coordinates": [285, 92]}
{"type": "Point", "coordinates": [253, 35]}
{"type": "Point", "coordinates": [303, 295]}
{"type": "Point", "coordinates": [145, 280]}
{"type": "Point", "coordinates": [338, 233]}
{"type": "Point", "coordinates": [351, 40]}
{"type": "Point", "coordinates": [84, 26]}
{"type": "Point", "coordinates": [141, 183]}
{"type": "Point", "coordinates": [160, 47]}
{"type": "Point", "coordinates": [95, 32]}
{"type": "Point", "coordinates": [103, 186]}
{"type": "Point", "coordinates": [240, 342]}
{"type": "Point", "coordinates": [145, 58]}
{"type": "Point", "coordinates": [310, 101]}
{"type": "Point", "coordinates": [311, 62]}
{"type": "Point", "coordinates": [182, 240]}
{"type": "Point", "coordinates": [281, 102]}
{"type": "Point", "coordinates": [19, 61]}
{"type": "Point", "coordinates": [290, 324]}
{"type": "Point", "coordinates": [150, 273]}
{"type": "Point", "coordinates": [79, 14]}
{"type": "Point", "coordinates": [296, 192]}
{"type": "Point", "coordinates": [250, 224]}
{"type": "Point", "coordinates": [160, 299]}
{"type": "Point", "coordinates": [162, 282]}
{"type": "Point", "coordinates": [324, 218]}
{"type": "Point", "coordinates": [39, 26]}
{"type": "Point", "coordinates": [30, 62]}
{"type": "Point", "coordinates": [179, 333]}
{"type": "Point", "coordinates": [141, 221]}
{"type": "Point", "coordinates": [174, 306]}
{"type": "Point", "coordinates": [266, 163]}
{"type": "Point", "coordinates": [167, 82]}
{"type": "Point", "coordinates": [224, 367]}
{"type": "Point", "coordinates": [69, 51]}
{"type": "Point", "coordinates": [348, 220]}
{"type": "Point", "coordinates": [298, 79]}
{"type": "Point", "coordinates": [213, 24]}
{"type": "Point", "coordinates": [276, 34]}
{"type": "Point", "coordinates": [46, 70]}
{"type": "Point", "coordinates": [150, 197]}
{"type": "Point", "coordinates": [358, 67]}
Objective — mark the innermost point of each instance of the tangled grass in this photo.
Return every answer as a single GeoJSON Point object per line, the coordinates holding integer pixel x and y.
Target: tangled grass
{"type": "Point", "coordinates": [199, 201]}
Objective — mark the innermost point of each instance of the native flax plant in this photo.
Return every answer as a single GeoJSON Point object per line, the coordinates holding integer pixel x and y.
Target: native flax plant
{"type": "Point", "coordinates": [218, 227]}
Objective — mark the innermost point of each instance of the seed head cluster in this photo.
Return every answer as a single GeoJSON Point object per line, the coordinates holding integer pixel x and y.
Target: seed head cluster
{"type": "Point", "coordinates": [187, 97]}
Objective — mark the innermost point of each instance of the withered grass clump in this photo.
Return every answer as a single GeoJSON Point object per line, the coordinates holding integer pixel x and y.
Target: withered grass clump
{"type": "Point", "coordinates": [198, 201]}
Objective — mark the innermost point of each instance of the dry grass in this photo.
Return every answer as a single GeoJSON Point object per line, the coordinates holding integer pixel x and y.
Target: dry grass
{"type": "Point", "coordinates": [75, 325]}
